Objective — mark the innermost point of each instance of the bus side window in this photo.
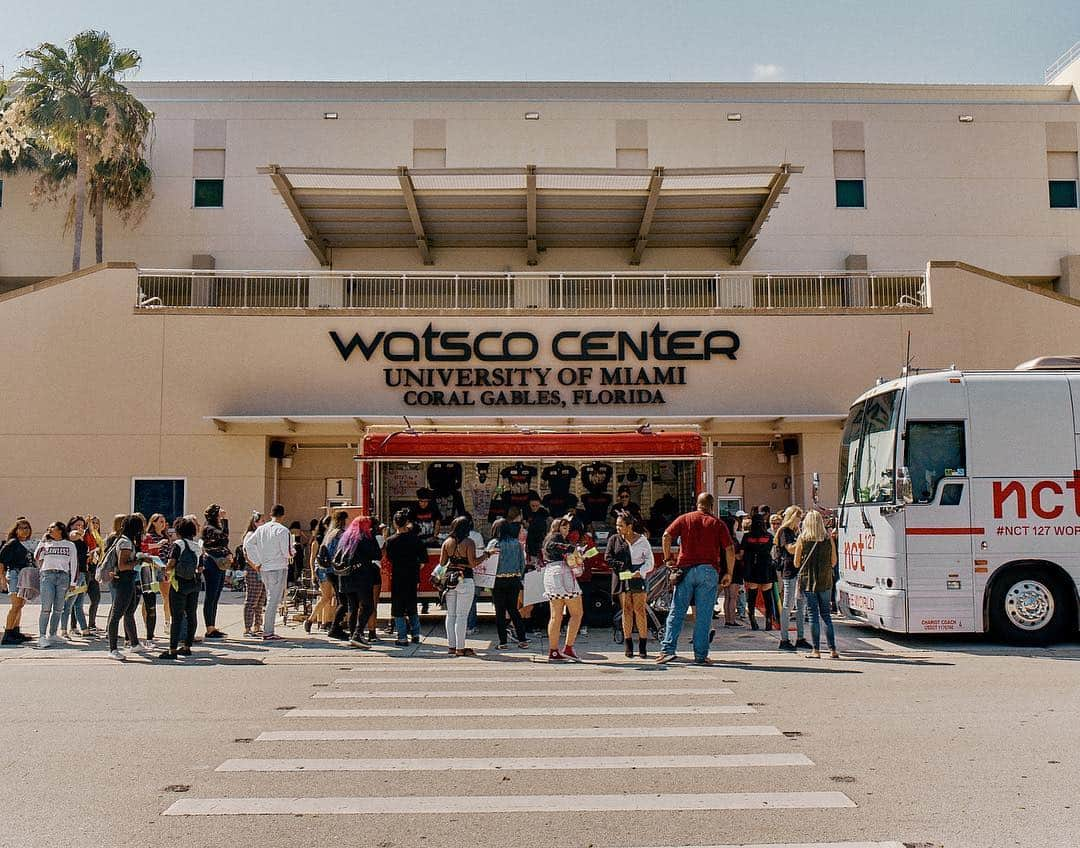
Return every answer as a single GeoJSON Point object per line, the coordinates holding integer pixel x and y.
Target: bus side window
{"type": "Point", "coordinates": [952, 494]}
{"type": "Point", "coordinates": [934, 450]}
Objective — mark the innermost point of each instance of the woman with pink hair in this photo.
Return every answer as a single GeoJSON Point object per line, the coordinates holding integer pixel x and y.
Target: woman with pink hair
{"type": "Point", "coordinates": [356, 563]}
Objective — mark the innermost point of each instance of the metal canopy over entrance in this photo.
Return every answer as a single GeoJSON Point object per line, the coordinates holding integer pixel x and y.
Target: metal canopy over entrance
{"type": "Point", "coordinates": [532, 208]}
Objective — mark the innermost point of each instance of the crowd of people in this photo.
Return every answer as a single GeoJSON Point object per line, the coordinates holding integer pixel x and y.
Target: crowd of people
{"type": "Point", "coordinates": [787, 560]}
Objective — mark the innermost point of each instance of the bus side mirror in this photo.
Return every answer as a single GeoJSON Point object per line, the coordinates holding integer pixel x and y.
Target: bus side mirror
{"type": "Point", "coordinates": [903, 485]}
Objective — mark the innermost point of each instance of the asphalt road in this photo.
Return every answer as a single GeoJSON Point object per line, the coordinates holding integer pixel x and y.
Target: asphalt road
{"type": "Point", "coordinates": [943, 741]}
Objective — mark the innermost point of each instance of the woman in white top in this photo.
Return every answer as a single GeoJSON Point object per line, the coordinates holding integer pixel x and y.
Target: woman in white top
{"type": "Point", "coordinates": [59, 564]}
{"type": "Point", "coordinates": [632, 580]}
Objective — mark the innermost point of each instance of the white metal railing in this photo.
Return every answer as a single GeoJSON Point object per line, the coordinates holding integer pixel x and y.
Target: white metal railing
{"type": "Point", "coordinates": [531, 290]}
{"type": "Point", "coordinates": [1063, 61]}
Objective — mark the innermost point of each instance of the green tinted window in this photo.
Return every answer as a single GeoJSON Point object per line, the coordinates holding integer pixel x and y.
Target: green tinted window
{"type": "Point", "coordinates": [209, 194]}
{"type": "Point", "coordinates": [850, 194]}
{"type": "Point", "coordinates": [1062, 194]}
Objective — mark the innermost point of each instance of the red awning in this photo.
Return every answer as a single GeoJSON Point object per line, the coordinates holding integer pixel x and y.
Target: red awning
{"type": "Point", "coordinates": [403, 445]}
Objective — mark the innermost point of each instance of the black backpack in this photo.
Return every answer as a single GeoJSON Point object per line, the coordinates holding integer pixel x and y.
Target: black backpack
{"type": "Point", "coordinates": [187, 563]}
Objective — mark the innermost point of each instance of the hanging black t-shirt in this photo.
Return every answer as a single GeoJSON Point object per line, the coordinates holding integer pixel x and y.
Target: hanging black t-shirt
{"type": "Point", "coordinates": [500, 505]}
{"type": "Point", "coordinates": [596, 505]}
{"type": "Point", "coordinates": [633, 480]}
{"type": "Point", "coordinates": [559, 477]}
{"type": "Point", "coordinates": [596, 476]}
{"type": "Point", "coordinates": [444, 477]}
{"type": "Point", "coordinates": [519, 476]}
{"type": "Point", "coordinates": [560, 503]}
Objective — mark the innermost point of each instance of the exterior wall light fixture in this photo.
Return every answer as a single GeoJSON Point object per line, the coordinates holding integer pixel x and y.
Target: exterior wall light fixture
{"type": "Point", "coordinates": [329, 116]}
{"type": "Point", "coordinates": [966, 119]}
{"type": "Point", "coordinates": [532, 116]}
{"type": "Point", "coordinates": [734, 116]}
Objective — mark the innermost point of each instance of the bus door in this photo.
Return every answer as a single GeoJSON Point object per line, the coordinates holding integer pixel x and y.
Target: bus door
{"type": "Point", "coordinates": [937, 528]}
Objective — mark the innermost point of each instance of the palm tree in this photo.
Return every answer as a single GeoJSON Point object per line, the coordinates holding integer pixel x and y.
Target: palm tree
{"type": "Point", "coordinates": [75, 99]}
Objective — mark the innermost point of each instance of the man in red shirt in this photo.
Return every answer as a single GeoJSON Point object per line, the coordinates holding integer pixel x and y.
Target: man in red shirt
{"type": "Point", "coordinates": [701, 536]}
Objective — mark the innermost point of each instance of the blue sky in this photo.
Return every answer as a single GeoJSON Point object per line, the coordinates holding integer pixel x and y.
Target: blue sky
{"type": "Point", "coordinates": [965, 41]}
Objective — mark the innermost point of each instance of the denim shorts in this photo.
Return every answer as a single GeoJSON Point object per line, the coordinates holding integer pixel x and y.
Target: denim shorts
{"type": "Point", "coordinates": [322, 574]}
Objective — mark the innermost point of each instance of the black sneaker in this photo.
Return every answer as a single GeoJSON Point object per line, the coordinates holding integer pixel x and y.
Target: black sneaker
{"type": "Point", "coordinates": [184, 651]}
{"type": "Point", "coordinates": [802, 643]}
{"type": "Point", "coordinates": [217, 634]}
{"type": "Point", "coordinates": [416, 640]}
{"type": "Point", "coordinates": [785, 645]}
{"type": "Point", "coordinates": [167, 655]}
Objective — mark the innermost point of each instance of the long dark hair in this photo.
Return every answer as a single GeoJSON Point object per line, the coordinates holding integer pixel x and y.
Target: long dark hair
{"type": "Point", "coordinates": [133, 529]}
{"type": "Point", "coordinates": [21, 521]}
{"type": "Point", "coordinates": [757, 525]}
{"type": "Point", "coordinates": [460, 527]}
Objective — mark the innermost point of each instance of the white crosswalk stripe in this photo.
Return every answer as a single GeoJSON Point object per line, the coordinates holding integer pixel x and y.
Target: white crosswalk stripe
{"type": "Point", "coordinates": [480, 733]}
{"type": "Point", "coordinates": [524, 693]}
{"type": "Point", "coordinates": [420, 805]}
{"type": "Point", "coordinates": [481, 712]}
{"type": "Point", "coordinates": [520, 677]}
{"type": "Point", "coordinates": [518, 763]}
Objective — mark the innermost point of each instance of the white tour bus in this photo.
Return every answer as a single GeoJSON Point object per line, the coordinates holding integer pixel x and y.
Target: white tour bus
{"type": "Point", "coordinates": [960, 503]}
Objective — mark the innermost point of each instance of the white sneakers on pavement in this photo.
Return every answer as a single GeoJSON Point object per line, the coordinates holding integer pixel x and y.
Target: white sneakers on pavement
{"type": "Point", "coordinates": [118, 655]}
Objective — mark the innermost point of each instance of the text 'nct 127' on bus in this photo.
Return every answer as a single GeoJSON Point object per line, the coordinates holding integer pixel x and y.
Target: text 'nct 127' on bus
{"type": "Point", "coordinates": [960, 503]}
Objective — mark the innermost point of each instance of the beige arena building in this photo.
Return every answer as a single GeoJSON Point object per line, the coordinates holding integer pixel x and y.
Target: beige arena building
{"type": "Point", "coordinates": [686, 283]}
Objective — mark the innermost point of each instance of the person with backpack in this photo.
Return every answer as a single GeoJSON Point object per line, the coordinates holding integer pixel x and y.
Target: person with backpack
{"type": "Point", "coordinates": [325, 609]}
{"type": "Point", "coordinates": [119, 570]}
{"type": "Point", "coordinates": [182, 568]}
{"type": "Point", "coordinates": [356, 563]}
{"type": "Point", "coordinates": [407, 555]}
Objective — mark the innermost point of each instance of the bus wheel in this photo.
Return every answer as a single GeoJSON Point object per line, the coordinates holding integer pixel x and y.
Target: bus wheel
{"type": "Point", "coordinates": [1028, 607]}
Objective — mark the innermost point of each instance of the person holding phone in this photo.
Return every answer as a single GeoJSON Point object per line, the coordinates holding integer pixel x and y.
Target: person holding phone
{"type": "Point", "coordinates": [216, 558]}
{"type": "Point", "coordinates": [125, 595]}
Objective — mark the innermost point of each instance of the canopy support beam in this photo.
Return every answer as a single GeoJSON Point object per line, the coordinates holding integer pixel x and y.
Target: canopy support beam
{"type": "Point", "coordinates": [311, 238]}
{"type": "Point", "coordinates": [530, 206]}
{"type": "Point", "coordinates": [746, 241]}
{"type": "Point", "coordinates": [414, 215]}
{"type": "Point", "coordinates": [655, 182]}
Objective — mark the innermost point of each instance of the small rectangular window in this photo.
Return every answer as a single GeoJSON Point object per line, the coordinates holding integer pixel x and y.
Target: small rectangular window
{"type": "Point", "coordinates": [209, 194]}
{"type": "Point", "coordinates": [1062, 194]}
{"type": "Point", "coordinates": [150, 495]}
{"type": "Point", "coordinates": [935, 451]}
{"type": "Point", "coordinates": [850, 194]}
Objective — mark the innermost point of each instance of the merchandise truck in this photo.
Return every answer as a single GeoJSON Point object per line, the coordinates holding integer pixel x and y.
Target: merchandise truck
{"type": "Point", "coordinates": [486, 472]}
{"type": "Point", "coordinates": [959, 503]}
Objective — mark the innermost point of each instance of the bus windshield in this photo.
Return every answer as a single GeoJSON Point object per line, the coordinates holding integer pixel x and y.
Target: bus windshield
{"type": "Point", "coordinates": [868, 450]}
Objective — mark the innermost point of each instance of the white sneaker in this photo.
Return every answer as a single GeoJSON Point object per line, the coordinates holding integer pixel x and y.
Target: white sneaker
{"type": "Point", "coordinates": [145, 645]}
{"type": "Point", "coordinates": [56, 641]}
{"type": "Point", "coordinates": [43, 642]}
{"type": "Point", "coordinates": [472, 631]}
{"type": "Point", "coordinates": [118, 655]}
{"type": "Point", "coordinates": [584, 631]}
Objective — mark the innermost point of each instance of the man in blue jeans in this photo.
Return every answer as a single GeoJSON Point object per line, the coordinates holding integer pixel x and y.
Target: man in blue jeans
{"type": "Point", "coordinates": [701, 536]}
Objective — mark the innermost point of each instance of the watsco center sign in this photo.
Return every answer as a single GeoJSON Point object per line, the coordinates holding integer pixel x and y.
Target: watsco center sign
{"type": "Point", "coordinates": [622, 367]}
